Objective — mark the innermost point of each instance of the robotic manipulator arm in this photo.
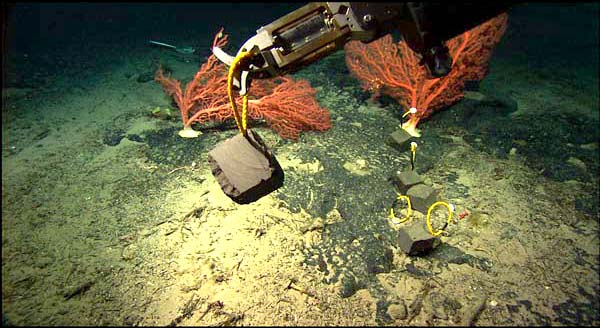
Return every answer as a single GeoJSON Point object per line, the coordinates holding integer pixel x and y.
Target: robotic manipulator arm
{"type": "Point", "coordinates": [320, 28]}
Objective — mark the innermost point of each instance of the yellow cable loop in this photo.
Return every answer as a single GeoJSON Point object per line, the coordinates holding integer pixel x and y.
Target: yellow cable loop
{"type": "Point", "coordinates": [240, 121]}
{"type": "Point", "coordinates": [408, 210]}
{"type": "Point", "coordinates": [429, 227]}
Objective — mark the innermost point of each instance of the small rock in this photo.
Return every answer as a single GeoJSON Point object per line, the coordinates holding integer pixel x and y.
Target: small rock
{"type": "Point", "coordinates": [397, 311]}
{"type": "Point", "coordinates": [589, 146]}
{"type": "Point", "coordinates": [577, 163]}
{"type": "Point", "coordinates": [348, 286]}
{"type": "Point", "coordinates": [317, 224]}
{"type": "Point", "coordinates": [475, 95]}
{"type": "Point", "coordinates": [520, 142]}
{"type": "Point", "coordinates": [333, 216]}
{"type": "Point", "coordinates": [358, 167]}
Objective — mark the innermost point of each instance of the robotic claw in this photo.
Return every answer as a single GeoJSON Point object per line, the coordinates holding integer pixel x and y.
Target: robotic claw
{"type": "Point", "coordinates": [319, 28]}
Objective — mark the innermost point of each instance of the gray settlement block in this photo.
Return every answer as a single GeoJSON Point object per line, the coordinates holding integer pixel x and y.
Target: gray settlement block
{"type": "Point", "coordinates": [400, 139]}
{"type": "Point", "coordinates": [407, 179]}
{"type": "Point", "coordinates": [415, 239]}
{"type": "Point", "coordinates": [421, 197]}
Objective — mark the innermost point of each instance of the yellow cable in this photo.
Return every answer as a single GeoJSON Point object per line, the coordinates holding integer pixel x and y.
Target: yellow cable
{"type": "Point", "coordinates": [429, 227]}
{"type": "Point", "coordinates": [244, 112]}
{"type": "Point", "coordinates": [408, 210]}
{"type": "Point", "coordinates": [413, 150]}
{"type": "Point", "coordinates": [239, 121]}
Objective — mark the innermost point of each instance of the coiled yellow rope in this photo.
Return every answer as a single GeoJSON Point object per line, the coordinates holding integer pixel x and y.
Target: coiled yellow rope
{"type": "Point", "coordinates": [429, 227]}
{"type": "Point", "coordinates": [408, 210]}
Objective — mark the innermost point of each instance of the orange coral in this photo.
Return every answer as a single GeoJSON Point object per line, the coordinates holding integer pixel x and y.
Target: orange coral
{"type": "Point", "coordinates": [394, 69]}
{"type": "Point", "coordinates": [288, 106]}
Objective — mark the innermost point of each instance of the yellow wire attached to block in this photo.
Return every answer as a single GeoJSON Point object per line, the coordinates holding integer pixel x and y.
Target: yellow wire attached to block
{"type": "Point", "coordinates": [239, 120]}
{"type": "Point", "coordinates": [429, 227]}
{"type": "Point", "coordinates": [408, 210]}
{"type": "Point", "coordinates": [413, 150]}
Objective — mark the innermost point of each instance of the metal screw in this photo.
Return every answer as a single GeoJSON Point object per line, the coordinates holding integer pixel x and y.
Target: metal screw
{"type": "Point", "coordinates": [367, 18]}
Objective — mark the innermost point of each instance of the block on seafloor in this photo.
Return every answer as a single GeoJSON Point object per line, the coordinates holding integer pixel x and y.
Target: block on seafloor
{"type": "Point", "coordinates": [421, 197]}
{"type": "Point", "coordinates": [406, 179]}
{"type": "Point", "coordinates": [414, 239]}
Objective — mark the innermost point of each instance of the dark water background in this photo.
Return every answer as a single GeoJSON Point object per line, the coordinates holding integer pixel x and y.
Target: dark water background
{"type": "Point", "coordinates": [551, 33]}
{"type": "Point", "coordinates": [76, 37]}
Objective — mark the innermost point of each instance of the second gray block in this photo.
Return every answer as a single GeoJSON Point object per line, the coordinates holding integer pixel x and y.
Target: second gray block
{"type": "Point", "coordinates": [406, 179]}
{"type": "Point", "coordinates": [421, 197]}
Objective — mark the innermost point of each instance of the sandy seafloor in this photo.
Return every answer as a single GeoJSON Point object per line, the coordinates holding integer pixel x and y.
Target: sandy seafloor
{"type": "Point", "coordinates": [109, 218]}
